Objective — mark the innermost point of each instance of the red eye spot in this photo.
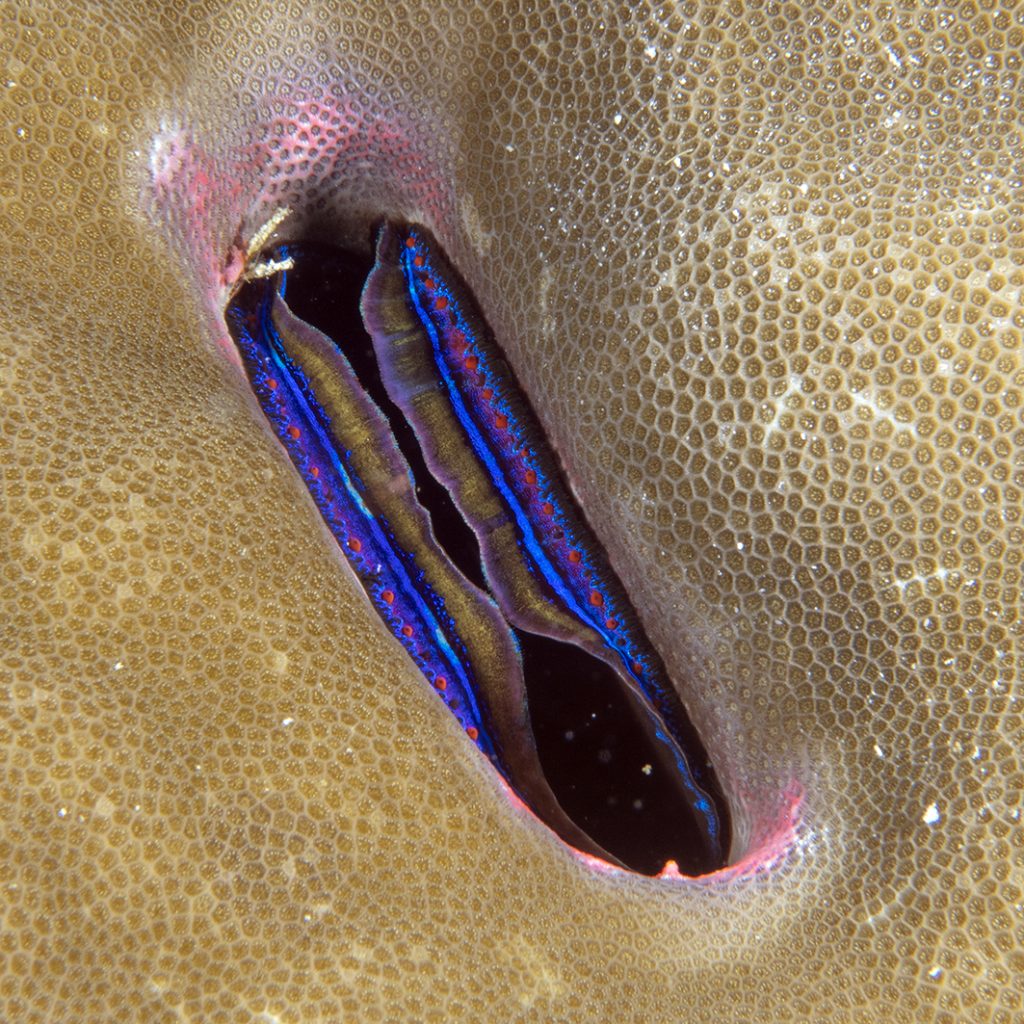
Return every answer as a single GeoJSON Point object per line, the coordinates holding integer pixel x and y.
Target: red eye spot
{"type": "Point", "coordinates": [355, 544]}
{"type": "Point", "coordinates": [530, 476]}
{"type": "Point", "coordinates": [547, 508]}
{"type": "Point", "coordinates": [407, 631]}
{"type": "Point", "coordinates": [611, 624]}
{"type": "Point", "coordinates": [417, 261]}
{"type": "Point", "coordinates": [472, 733]}
{"type": "Point", "coordinates": [294, 432]}
{"type": "Point", "coordinates": [501, 421]}
{"type": "Point", "coordinates": [314, 472]}
{"type": "Point", "coordinates": [596, 599]}
{"type": "Point", "coordinates": [410, 243]}
{"type": "Point", "coordinates": [387, 596]}
{"type": "Point", "coordinates": [471, 362]}
{"type": "Point", "coordinates": [428, 283]}
{"type": "Point", "coordinates": [487, 394]}
{"type": "Point", "coordinates": [271, 383]}
{"type": "Point", "coordinates": [441, 683]}
{"type": "Point", "coordinates": [440, 302]}
{"type": "Point", "coordinates": [574, 557]}
{"type": "Point", "coordinates": [637, 668]}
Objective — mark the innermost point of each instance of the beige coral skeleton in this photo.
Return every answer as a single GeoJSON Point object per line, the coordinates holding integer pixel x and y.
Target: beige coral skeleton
{"type": "Point", "coordinates": [761, 270]}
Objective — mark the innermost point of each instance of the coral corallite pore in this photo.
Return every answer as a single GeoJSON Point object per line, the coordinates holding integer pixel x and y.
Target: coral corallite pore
{"type": "Point", "coordinates": [760, 268]}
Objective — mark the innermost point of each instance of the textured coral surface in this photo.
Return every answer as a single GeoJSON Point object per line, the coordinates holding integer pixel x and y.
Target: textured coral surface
{"type": "Point", "coordinates": [760, 267]}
